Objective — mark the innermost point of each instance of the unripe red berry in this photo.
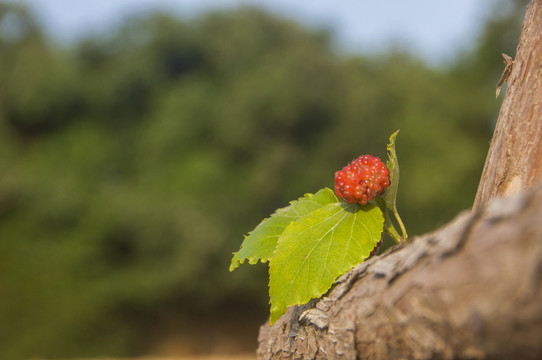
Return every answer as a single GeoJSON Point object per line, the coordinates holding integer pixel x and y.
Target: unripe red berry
{"type": "Point", "coordinates": [362, 180]}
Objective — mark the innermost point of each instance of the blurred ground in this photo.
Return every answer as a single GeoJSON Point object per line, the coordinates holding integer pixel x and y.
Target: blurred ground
{"type": "Point", "coordinates": [208, 357]}
{"type": "Point", "coordinates": [206, 339]}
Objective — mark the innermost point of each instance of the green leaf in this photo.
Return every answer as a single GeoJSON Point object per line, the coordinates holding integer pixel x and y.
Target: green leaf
{"type": "Point", "coordinates": [393, 166]}
{"type": "Point", "coordinates": [317, 248]}
{"type": "Point", "coordinates": [391, 194]}
{"type": "Point", "coordinates": [262, 241]}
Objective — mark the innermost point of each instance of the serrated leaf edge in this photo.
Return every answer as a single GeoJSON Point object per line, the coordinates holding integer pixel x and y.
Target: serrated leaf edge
{"type": "Point", "coordinates": [252, 260]}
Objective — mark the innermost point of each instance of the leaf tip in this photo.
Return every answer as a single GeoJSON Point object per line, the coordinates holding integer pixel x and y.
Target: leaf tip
{"type": "Point", "coordinates": [235, 262]}
{"type": "Point", "coordinates": [276, 313]}
{"type": "Point", "coordinates": [392, 139]}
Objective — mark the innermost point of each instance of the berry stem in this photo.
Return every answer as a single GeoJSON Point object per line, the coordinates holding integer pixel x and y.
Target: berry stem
{"type": "Point", "coordinates": [403, 229]}
{"type": "Point", "coordinates": [388, 224]}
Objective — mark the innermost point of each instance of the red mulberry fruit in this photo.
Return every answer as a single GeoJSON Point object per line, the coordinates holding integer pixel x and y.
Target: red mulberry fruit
{"type": "Point", "coordinates": [362, 180]}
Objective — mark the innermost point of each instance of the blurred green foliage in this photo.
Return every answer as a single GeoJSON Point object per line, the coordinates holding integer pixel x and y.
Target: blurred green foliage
{"type": "Point", "coordinates": [131, 165]}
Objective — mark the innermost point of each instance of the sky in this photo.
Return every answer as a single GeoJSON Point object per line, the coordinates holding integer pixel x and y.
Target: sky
{"type": "Point", "coordinates": [433, 29]}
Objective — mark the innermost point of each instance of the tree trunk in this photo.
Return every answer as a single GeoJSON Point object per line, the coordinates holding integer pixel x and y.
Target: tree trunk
{"type": "Point", "coordinates": [514, 161]}
{"type": "Point", "coordinates": [470, 290]}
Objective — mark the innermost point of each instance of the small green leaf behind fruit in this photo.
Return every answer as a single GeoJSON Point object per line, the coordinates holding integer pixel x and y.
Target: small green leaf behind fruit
{"type": "Point", "coordinates": [262, 241]}
{"type": "Point", "coordinates": [393, 167]}
{"type": "Point", "coordinates": [314, 250]}
{"type": "Point", "coordinates": [391, 194]}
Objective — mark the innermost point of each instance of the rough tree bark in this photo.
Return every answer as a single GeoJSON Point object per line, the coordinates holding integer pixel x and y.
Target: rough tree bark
{"type": "Point", "coordinates": [514, 161]}
{"type": "Point", "coordinates": [470, 290]}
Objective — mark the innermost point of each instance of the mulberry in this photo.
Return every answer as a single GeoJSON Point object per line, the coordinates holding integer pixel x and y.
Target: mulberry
{"type": "Point", "coordinates": [362, 180]}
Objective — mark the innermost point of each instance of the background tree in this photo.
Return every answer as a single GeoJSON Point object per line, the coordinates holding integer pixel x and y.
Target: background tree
{"type": "Point", "coordinates": [131, 164]}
